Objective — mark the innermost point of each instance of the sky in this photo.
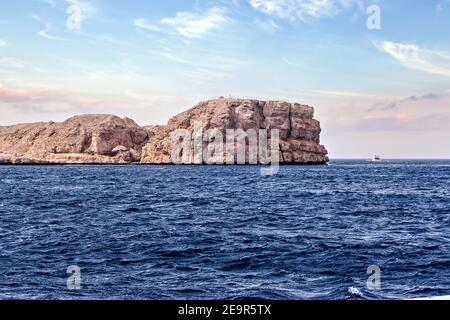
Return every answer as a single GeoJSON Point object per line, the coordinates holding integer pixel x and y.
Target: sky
{"type": "Point", "coordinates": [376, 71]}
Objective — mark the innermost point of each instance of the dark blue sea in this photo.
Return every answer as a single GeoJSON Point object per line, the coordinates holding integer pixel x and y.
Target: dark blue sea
{"type": "Point", "coordinates": [211, 232]}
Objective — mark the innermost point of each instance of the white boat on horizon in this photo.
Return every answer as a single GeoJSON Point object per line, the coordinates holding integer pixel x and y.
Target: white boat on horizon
{"type": "Point", "coordinates": [376, 158]}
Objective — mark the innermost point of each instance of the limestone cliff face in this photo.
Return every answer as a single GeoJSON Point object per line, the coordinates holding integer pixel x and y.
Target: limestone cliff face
{"type": "Point", "coordinates": [299, 132]}
{"type": "Point", "coordinates": [110, 139]}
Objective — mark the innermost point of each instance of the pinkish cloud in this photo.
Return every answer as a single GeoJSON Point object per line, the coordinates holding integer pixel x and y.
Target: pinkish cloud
{"type": "Point", "coordinates": [39, 100]}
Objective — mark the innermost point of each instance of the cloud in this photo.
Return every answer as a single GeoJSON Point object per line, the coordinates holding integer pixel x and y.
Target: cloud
{"type": "Point", "coordinates": [102, 38]}
{"type": "Point", "coordinates": [420, 59]}
{"type": "Point", "coordinates": [187, 24]}
{"type": "Point", "coordinates": [400, 102]}
{"type": "Point", "coordinates": [45, 33]}
{"type": "Point", "coordinates": [39, 103]}
{"type": "Point", "coordinates": [268, 25]}
{"type": "Point", "coordinates": [3, 43]}
{"type": "Point", "coordinates": [402, 121]}
{"type": "Point", "coordinates": [43, 100]}
{"type": "Point", "coordinates": [14, 63]}
{"type": "Point", "coordinates": [341, 93]}
{"type": "Point", "coordinates": [301, 9]}
{"type": "Point", "coordinates": [144, 24]}
{"type": "Point", "coordinates": [7, 94]}
{"type": "Point", "coordinates": [197, 25]}
{"type": "Point", "coordinates": [428, 96]}
{"type": "Point", "coordinates": [17, 64]}
{"type": "Point", "coordinates": [408, 117]}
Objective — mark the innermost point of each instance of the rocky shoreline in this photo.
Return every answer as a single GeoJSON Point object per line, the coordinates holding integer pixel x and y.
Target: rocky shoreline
{"type": "Point", "coordinates": [110, 140]}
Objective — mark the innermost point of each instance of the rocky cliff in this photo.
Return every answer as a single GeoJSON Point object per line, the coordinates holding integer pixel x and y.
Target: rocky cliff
{"type": "Point", "coordinates": [81, 139]}
{"type": "Point", "coordinates": [110, 139]}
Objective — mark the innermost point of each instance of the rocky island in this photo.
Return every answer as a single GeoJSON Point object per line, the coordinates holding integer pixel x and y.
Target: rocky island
{"type": "Point", "coordinates": [108, 139]}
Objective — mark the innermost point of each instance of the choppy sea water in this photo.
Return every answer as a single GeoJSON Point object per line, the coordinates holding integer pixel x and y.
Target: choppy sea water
{"type": "Point", "coordinates": [210, 232]}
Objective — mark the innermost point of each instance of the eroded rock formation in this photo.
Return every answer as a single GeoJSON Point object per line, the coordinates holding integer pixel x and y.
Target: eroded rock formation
{"type": "Point", "coordinates": [110, 139]}
{"type": "Point", "coordinates": [299, 131]}
{"type": "Point", "coordinates": [81, 139]}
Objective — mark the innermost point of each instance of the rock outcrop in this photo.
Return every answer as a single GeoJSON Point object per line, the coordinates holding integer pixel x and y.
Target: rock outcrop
{"type": "Point", "coordinates": [81, 139]}
{"type": "Point", "coordinates": [299, 131]}
{"type": "Point", "coordinates": [107, 139]}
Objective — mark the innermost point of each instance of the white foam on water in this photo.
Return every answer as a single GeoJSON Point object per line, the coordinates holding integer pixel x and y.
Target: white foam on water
{"type": "Point", "coordinates": [433, 298]}
{"type": "Point", "coordinates": [355, 291]}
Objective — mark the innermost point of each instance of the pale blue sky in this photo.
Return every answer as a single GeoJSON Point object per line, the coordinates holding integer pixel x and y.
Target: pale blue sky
{"type": "Point", "coordinates": [376, 91]}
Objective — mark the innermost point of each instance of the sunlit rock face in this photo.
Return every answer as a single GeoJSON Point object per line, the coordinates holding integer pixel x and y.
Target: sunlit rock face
{"type": "Point", "coordinates": [299, 132]}
{"type": "Point", "coordinates": [108, 139]}
{"type": "Point", "coordinates": [80, 139]}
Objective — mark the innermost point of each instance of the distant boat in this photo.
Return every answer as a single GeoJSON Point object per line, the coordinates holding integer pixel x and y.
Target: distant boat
{"type": "Point", "coordinates": [376, 158]}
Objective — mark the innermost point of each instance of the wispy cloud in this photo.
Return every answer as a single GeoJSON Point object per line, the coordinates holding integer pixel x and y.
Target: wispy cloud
{"type": "Point", "coordinates": [9, 93]}
{"type": "Point", "coordinates": [25, 104]}
{"type": "Point", "coordinates": [10, 62]}
{"type": "Point", "coordinates": [41, 100]}
{"type": "Point", "coordinates": [344, 94]}
{"type": "Point", "coordinates": [45, 33]}
{"type": "Point", "coordinates": [301, 9]}
{"type": "Point", "coordinates": [396, 103]}
{"type": "Point", "coordinates": [291, 63]}
{"type": "Point", "coordinates": [3, 43]}
{"type": "Point", "coordinates": [267, 25]}
{"type": "Point", "coordinates": [146, 25]}
{"type": "Point", "coordinates": [17, 64]}
{"type": "Point", "coordinates": [104, 38]}
{"type": "Point", "coordinates": [414, 57]}
{"type": "Point", "coordinates": [197, 25]}
{"type": "Point", "coordinates": [401, 121]}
